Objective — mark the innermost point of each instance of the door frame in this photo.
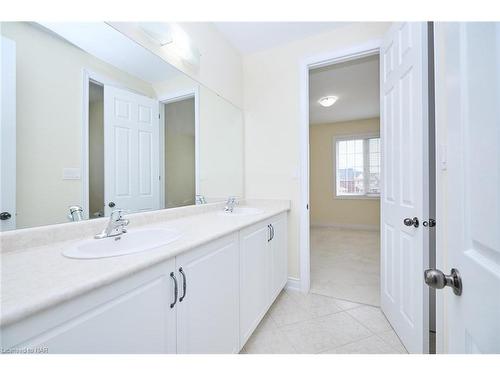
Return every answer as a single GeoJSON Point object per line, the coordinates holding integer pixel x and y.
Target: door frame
{"type": "Point", "coordinates": [172, 98]}
{"type": "Point", "coordinates": [90, 76]}
{"type": "Point", "coordinates": [330, 58]}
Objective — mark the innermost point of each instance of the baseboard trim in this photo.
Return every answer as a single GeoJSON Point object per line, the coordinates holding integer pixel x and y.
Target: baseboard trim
{"type": "Point", "coordinates": [373, 228]}
{"type": "Point", "coordinates": [293, 283]}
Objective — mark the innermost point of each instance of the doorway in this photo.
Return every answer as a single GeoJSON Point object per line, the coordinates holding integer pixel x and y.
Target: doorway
{"type": "Point", "coordinates": [344, 138]}
{"type": "Point", "coordinates": [96, 150]}
{"type": "Point", "coordinates": [179, 152]}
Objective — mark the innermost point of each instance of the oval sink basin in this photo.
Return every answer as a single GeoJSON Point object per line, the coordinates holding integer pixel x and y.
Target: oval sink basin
{"type": "Point", "coordinates": [242, 211]}
{"type": "Point", "coordinates": [133, 241]}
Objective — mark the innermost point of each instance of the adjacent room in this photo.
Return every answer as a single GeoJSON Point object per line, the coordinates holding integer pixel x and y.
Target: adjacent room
{"type": "Point", "coordinates": [344, 180]}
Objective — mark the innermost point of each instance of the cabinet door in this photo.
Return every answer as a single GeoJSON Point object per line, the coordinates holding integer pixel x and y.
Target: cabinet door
{"type": "Point", "coordinates": [207, 316]}
{"type": "Point", "coordinates": [130, 316]}
{"type": "Point", "coordinates": [279, 256]}
{"type": "Point", "coordinates": [254, 277]}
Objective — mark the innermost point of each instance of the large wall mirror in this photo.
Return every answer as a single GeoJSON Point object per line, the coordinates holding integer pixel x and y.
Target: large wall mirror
{"type": "Point", "coordinates": [92, 122]}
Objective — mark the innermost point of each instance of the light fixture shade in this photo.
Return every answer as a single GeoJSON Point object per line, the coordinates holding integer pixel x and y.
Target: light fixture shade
{"type": "Point", "coordinates": [328, 101]}
{"type": "Point", "coordinates": [158, 32]}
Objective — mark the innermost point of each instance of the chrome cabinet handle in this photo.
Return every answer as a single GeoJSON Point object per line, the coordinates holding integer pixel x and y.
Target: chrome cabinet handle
{"type": "Point", "coordinates": [269, 227]}
{"type": "Point", "coordinates": [176, 290]}
{"type": "Point", "coordinates": [183, 284]}
{"type": "Point", "coordinates": [272, 231]}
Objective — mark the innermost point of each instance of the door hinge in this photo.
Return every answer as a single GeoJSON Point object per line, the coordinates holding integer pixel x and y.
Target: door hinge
{"type": "Point", "coordinates": [429, 223]}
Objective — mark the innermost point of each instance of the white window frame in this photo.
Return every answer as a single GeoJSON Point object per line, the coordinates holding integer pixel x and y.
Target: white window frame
{"type": "Point", "coordinates": [365, 137]}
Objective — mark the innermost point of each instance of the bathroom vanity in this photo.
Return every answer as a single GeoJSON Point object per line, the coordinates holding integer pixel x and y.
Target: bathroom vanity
{"type": "Point", "coordinates": [204, 292]}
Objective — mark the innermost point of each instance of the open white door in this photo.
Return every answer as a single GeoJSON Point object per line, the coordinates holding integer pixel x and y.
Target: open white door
{"type": "Point", "coordinates": [404, 131]}
{"type": "Point", "coordinates": [8, 136]}
{"type": "Point", "coordinates": [468, 185]}
{"type": "Point", "coordinates": [131, 151]}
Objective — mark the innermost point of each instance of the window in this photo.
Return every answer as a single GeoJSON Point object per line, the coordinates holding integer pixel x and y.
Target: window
{"type": "Point", "coordinates": [358, 167]}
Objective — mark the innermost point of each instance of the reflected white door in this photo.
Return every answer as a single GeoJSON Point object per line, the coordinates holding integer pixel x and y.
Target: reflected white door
{"type": "Point", "coordinates": [131, 151]}
{"type": "Point", "coordinates": [8, 136]}
{"type": "Point", "coordinates": [468, 184]}
{"type": "Point", "coordinates": [404, 129]}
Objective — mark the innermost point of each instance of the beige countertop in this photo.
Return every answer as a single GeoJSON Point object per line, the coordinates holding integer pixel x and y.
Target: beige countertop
{"type": "Point", "coordinates": [34, 278]}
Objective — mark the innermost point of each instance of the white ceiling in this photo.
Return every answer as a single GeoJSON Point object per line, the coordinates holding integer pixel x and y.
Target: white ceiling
{"type": "Point", "coordinates": [249, 37]}
{"type": "Point", "coordinates": [355, 83]}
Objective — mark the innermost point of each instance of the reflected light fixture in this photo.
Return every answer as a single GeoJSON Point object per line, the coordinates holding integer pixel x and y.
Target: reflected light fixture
{"type": "Point", "coordinates": [158, 32]}
{"type": "Point", "coordinates": [327, 101]}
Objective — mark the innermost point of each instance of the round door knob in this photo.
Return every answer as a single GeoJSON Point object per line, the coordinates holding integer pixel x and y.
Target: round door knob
{"type": "Point", "coordinates": [111, 204]}
{"type": "Point", "coordinates": [411, 222]}
{"type": "Point", "coordinates": [5, 216]}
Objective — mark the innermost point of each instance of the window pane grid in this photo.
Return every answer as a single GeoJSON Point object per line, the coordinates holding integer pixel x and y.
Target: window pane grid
{"type": "Point", "coordinates": [358, 167]}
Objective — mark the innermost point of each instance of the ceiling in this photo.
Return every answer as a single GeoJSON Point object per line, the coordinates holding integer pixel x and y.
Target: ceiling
{"type": "Point", "coordinates": [249, 37]}
{"type": "Point", "coordinates": [355, 83]}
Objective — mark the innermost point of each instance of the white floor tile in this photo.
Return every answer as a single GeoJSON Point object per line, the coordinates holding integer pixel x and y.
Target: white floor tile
{"type": "Point", "coordinates": [320, 334]}
{"type": "Point", "coordinates": [370, 345]}
{"type": "Point", "coordinates": [345, 264]}
{"type": "Point", "coordinates": [286, 310]}
{"type": "Point", "coordinates": [392, 339]}
{"type": "Point", "coordinates": [371, 317]}
{"type": "Point", "coordinates": [315, 304]}
{"type": "Point", "coordinates": [268, 341]}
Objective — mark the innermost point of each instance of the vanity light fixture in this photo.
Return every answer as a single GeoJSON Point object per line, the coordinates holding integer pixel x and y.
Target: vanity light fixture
{"type": "Point", "coordinates": [158, 32]}
{"type": "Point", "coordinates": [328, 101]}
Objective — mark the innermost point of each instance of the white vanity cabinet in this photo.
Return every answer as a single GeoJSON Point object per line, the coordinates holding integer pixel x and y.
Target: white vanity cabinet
{"type": "Point", "coordinates": [132, 315]}
{"type": "Point", "coordinates": [207, 309]}
{"type": "Point", "coordinates": [263, 270]}
{"type": "Point", "coordinates": [205, 300]}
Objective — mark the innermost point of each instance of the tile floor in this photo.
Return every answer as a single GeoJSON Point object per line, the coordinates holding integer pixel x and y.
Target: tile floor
{"type": "Point", "coordinates": [345, 264]}
{"type": "Point", "coordinates": [344, 268]}
{"type": "Point", "coordinates": [312, 323]}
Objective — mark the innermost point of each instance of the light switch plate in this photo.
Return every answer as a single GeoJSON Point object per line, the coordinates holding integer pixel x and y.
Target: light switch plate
{"type": "Point", "coordinates": [71, 173]}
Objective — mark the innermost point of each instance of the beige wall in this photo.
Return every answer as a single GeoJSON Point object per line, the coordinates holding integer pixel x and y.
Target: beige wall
{"type": "Point", "coordinates": [326, 209]}
{"type": "Point", "coordinates": [179, 154]}
{"type": "Point", "coordinates": [49, 120]}
{"type": "Point", "coordinates": [271, 81]}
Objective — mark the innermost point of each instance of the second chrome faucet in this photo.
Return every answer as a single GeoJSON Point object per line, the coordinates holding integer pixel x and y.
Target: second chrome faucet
{"type": "Point", "coordinates": [116, 225]}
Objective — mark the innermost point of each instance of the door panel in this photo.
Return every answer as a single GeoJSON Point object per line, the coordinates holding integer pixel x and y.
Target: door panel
{"type": "Point", "coordinates": [468, 180]}
{"type": "Point", "coordinates": [132, 157]}
{"type": "Point", "coordinates": [207, 317]}
{"type": "Point", "coordinates": [404, 131]}
{"type": "Point", "coordinates": [254, 278]}
{"type": "Point", "coordinates": [279, 252]}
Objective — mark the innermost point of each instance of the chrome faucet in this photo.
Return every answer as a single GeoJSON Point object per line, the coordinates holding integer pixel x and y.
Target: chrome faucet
{"type": "Point", "coordinates": [231, 202]}
{"type": "Point", "coordinates": [116, 225]}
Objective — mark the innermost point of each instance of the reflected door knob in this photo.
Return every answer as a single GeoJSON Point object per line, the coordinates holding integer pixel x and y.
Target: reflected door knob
{"type": "Point", "coordinates": [411, 222]}
{"type": "Point", "coordinates": [111, 204]}
{"type": "Point", "coordinates": [5, 216]}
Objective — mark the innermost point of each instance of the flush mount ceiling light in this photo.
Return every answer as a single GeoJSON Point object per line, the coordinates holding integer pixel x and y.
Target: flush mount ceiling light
{"type": "Point", "coordinates": [327, 101]}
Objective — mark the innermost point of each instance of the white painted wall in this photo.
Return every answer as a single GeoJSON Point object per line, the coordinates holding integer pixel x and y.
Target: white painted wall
{"type": "Point", "coordinates": [221, 141]}
{"type": "Point", "coordinates": [272, 117]}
